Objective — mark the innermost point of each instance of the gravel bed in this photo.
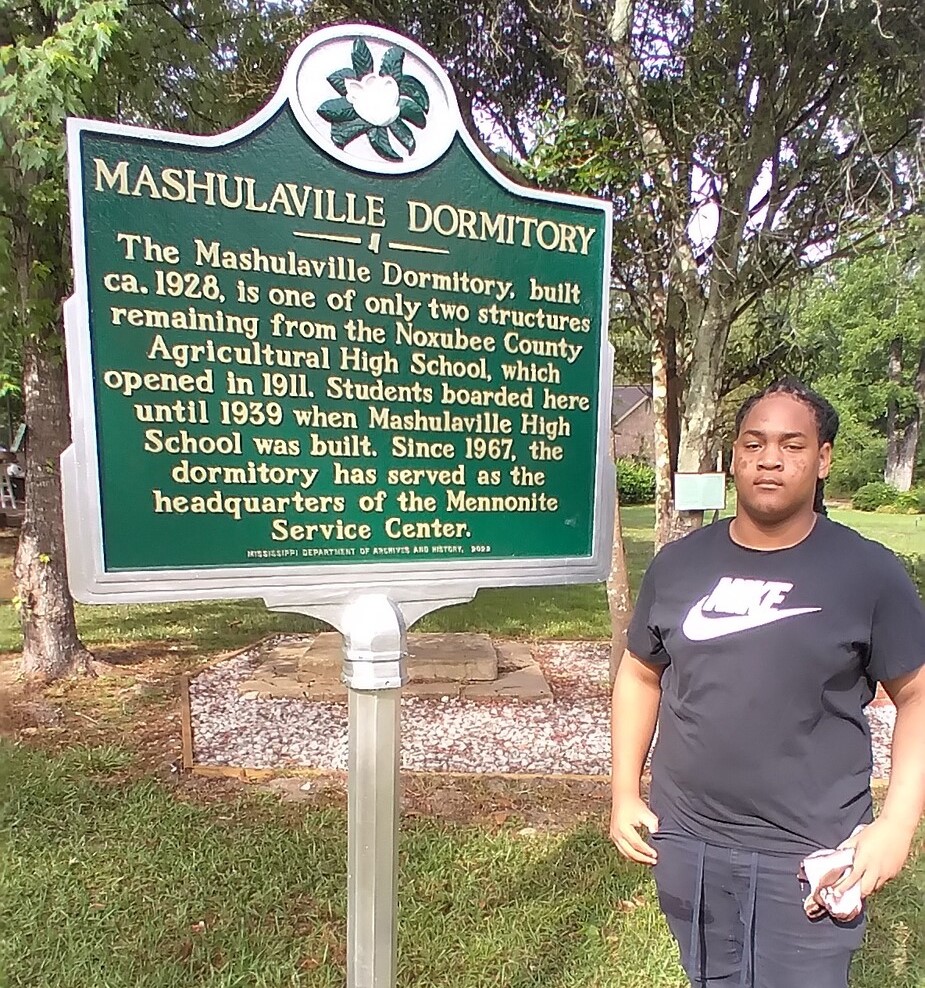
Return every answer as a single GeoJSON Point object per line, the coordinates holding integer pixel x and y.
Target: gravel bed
{"type": "Point", "coordinates": [568, 736]}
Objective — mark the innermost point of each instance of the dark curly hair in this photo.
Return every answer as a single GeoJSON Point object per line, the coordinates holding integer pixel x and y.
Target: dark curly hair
{"type": "Point", "coordinates": [825, 414]}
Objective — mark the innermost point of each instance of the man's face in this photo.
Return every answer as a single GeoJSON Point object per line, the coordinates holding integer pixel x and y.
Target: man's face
{"type": "Point", "coordinates": [777, 459]}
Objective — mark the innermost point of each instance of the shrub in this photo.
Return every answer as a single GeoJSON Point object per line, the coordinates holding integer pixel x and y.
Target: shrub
{"type": "Point", "coordinates": [915, 567]}
{"type": "Point", "coordinates": [870, 497]}
{"type": "Point", "coordinates": [858, 457]}
{"type": "Point", "coordinates": [852, 470]}
{"type": "Point", "coordinates": [635, 482]}
{"type": "Point", "coordinates": [911, 502]}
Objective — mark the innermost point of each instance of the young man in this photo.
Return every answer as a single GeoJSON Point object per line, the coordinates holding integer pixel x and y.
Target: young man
{"type": "Point", "coordinates": [757, 643]}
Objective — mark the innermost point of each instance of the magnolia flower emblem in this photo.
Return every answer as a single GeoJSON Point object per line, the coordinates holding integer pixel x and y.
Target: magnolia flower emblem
{"type": "Point", "coordinates": [379, 105]}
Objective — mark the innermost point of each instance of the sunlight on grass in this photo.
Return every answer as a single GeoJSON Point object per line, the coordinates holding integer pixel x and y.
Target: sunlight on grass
{"type": "Point", "coordinates": [542, 613]}
{"type": "Point", "coordinates": [124, 885]}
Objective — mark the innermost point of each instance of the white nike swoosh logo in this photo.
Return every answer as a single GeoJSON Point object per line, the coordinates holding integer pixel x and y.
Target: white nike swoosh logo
{"type": "Point", "coordinates": [698, 627]}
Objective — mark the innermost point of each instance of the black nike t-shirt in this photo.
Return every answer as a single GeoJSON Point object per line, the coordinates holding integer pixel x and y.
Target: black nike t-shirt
{"type": "Point", "coordinates": [771, 657]}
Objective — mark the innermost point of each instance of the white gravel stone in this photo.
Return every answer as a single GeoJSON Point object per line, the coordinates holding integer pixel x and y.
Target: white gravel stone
{"type": "Point", "coordinates": [568, 736]}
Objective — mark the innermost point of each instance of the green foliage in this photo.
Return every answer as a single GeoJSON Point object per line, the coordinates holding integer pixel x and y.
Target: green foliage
{"type": "Point", "coordinates": [864, 322]}
{"type": "Point", "coordinates": [870, 497]}
{"type": "Point", "coordinates": [46, 78]}
{"type": "Point", "coordinates": [885, 499]}
{"type": "Point", "coordinates": [911, 502]}
{"type": "Point", "coordinates": [635, 482]}
{"type": "Point", "coordinates": [915, 567]}
{"type": "Point", "coordinates": [47, 72]}
{"type": "Point", "coordinates": [853, 470]}
{"type": "Point", "coordinates": [860, 451]}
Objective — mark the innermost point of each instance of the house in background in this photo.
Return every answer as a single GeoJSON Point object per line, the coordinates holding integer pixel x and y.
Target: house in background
{"type": "Point", "coordinates": [633, 422]}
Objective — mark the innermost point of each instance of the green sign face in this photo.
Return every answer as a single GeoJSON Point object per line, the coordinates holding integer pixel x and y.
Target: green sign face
{"type": "Point", "coordinates": [333, 337]}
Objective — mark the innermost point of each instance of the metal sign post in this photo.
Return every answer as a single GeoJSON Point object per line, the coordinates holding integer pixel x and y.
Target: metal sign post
{"type": "Point", "coordinates": [374, 628]}
{"type": "Point", "coordinates": [374, 671]}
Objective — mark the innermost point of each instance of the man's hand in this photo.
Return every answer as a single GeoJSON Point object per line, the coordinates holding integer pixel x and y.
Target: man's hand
{"type": "Point", "coordinates": [880, 851]}
{"type": "Point", "coordinates": [628, 815]}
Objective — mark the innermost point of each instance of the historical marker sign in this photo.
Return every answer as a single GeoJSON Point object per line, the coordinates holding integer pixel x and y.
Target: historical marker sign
{"type": "Point", "coordinates": [333, 347]}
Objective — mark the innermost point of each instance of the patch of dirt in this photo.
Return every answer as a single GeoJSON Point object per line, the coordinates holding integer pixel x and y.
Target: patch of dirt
{"type": "Point", "coordinates": [135, 705]}
{"type": "Point", "coordinates": [488, 801]}
{"type": "Point", "coordinates": [134, 702]}
{"type": "Point", "coordinates": [544, 803]}
{"type": "Point", "coordinates": [133, 654]}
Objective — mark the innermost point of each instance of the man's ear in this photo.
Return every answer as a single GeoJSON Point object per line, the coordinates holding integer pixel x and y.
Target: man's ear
{"type": "Point", "coordinates": [825, 460]}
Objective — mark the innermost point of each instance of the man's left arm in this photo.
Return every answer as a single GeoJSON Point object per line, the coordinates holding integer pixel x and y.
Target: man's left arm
{"type": "Point", "coordinates": [881, 849]}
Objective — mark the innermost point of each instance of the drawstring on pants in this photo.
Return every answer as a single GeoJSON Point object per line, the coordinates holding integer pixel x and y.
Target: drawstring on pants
{"type": "Point", "coordinates": [748, 944]}
{"type": "Point", "coordinates": [747, 977]}
{"type": "Point", "coordinates": [694, 952]}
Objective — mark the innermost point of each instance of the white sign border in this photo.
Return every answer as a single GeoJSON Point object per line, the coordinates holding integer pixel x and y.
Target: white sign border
{"type": "Point", "coordinates": [290, 586]}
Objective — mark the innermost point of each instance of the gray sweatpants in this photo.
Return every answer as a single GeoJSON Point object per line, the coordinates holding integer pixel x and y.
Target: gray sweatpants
{"type": "Point", "coordinates": [739, 921]}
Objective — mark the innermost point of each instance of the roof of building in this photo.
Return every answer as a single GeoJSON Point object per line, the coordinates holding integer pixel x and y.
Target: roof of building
{"type": "Point", "coordinates": [627, 398]}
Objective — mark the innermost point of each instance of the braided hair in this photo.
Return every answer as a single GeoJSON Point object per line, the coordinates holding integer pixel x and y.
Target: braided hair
{"type": "Point", "coordinates": [825, 414]}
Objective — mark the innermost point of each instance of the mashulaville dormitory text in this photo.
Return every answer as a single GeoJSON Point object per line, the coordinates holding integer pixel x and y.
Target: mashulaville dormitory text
{"type": "Point", "coordinates": [447, 220]}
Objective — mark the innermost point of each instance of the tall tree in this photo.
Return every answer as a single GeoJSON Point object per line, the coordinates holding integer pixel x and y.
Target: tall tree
{"type": "Point", "coordinates": [739, 141]}
{"type": "Point", "coordinates": [193, 66]}
{"type": "Point", "coordinates": [50, 54]}
{"type": "Point", "coordinates": [868, 316]}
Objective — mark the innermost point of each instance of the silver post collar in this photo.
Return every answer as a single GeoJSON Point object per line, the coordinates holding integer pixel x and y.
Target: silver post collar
{"type": "Point", "coordinates": [374, 644]}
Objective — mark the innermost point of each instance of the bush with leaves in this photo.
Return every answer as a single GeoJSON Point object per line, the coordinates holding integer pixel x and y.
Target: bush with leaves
{"type": "Point", "coordinates": [915, 567]}
{"type": "Point", "coordinates": [911, 502]}
{"type": "Point", "coordinates": [635, 482]}
{"type": "Point", "coordinates": [858, 459]}
{"type": "Point", "coordinates": [870, 497]}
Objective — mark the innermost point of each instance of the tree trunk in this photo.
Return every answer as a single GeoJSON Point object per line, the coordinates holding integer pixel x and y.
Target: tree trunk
{"type": "Point", "coordinates": [619, 599]}
{"type": "Point", "coordinates": [51, 647]}
{"type": "Point", "coordinates": [920, 407]}
{"type": "Point", "coordinates": [695, 455]}
{"type": "Point", "coordinates": [661, 439]}
{"type": "Point", "coordinates": [675, 390]}
{"type": "Point", "coordinates": [902, 440]}
{"type": "Point", "coordinates": [900, 456]}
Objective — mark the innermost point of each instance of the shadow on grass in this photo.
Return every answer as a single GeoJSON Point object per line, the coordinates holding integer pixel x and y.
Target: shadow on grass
{"type": "Point", "coordinates": [552, 911]}
{"type": "Point", "coordinates": [545, 613]}
{"type": "Point", "coordinates": [114, 878]}
{"type": "Point", "coordinates": [894, 947]}
{"type": "Point", "coordinates": [201, 626]}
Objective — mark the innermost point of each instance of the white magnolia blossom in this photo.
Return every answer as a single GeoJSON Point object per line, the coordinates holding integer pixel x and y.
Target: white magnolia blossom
{"type": "Point", "coordinates": [375, 98]}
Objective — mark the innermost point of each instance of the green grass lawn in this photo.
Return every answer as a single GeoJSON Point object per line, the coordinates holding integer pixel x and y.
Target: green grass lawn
{"type": "Point", "coordinates": [111, 883]}
{"type": "Point", "coordinates": [110, 878]}
{"type": "Point", "coordinates": [577, 612]}
{"type": "Point", "coordinates": [902, 533]}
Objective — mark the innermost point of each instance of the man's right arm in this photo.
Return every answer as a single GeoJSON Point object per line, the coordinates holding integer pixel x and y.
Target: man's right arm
{"type": "Point", "coordinates": [634, 712]}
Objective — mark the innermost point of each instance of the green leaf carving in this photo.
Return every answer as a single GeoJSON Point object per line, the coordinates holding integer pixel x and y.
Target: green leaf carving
{"type": "Point", "coordinates": [338, 79]}
{"type": "Point", "coordinates": [403, 132]}
{"type": "Point", "coordinates": [337, 111]}
{"type": "Point", "coordinates": [348, 130]}
{"type": "Point", "coordinates": [379, 138]}
{"type": "Point", "coordinates": [411, 112]}
{"type": "Point", "coordinates": [414, 89]}
{"type": "Point", "coordinates": [392, 62]}
{"type": "Point", "coordinates": [362, 58]}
